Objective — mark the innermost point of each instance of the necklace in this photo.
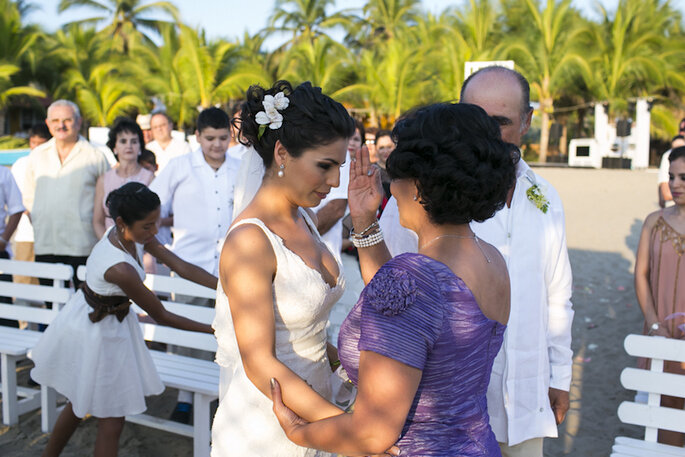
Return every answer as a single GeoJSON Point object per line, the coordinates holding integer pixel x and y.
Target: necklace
{"type": "Point", "coordinates": [467, 237]}
{"type": "Point", "coordinates": [135, 257]}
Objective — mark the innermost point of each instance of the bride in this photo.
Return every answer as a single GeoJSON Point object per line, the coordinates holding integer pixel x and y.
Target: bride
{"type": "Point", "coordinates": [278, 281]}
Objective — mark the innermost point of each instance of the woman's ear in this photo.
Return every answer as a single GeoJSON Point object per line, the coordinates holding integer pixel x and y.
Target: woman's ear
{"type": "Point", "coordinates": [280, 153]}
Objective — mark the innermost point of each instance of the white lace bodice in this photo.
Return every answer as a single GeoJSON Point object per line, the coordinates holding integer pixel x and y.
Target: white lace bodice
{"type": "Point", "coordinates": [302, 302]}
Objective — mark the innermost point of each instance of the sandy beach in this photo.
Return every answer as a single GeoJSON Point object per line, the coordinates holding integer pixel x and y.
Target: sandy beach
{"type": "Point", "coordinates": [604, 213]}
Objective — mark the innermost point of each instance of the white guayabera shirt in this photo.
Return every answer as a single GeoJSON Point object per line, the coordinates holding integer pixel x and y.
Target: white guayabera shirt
{"type": "Point", "coordinates": [536, 352]}
{"type": "Point", "coordinates": [201, 200]}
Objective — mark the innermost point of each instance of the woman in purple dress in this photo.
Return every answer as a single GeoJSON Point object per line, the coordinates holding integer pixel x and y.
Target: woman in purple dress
{"type": "Point", "coordinates": [420, 342]}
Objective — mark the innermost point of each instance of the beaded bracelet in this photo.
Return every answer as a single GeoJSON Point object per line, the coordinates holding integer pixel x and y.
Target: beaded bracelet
{"type": "Point", "coordinates": [369, 240]}
{"type": "Point", "coordinates": [373, 225]}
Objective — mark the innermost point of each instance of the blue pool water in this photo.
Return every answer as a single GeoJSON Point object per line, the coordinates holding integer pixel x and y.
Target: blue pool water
{"type": "Point", "coordinates": [9, 156]}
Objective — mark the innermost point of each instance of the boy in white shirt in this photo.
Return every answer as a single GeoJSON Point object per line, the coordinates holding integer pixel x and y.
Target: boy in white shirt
{"type": "Point", "coordinates": [197, 188]}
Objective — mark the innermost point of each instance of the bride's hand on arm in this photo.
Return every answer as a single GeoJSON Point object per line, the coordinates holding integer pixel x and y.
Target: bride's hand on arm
{"type": "Point", "coordinates": [365, 194]}
{"type": "Point", "coordinates": [246, 271]}
{"type": "Point", "coordinates": [386, 392]}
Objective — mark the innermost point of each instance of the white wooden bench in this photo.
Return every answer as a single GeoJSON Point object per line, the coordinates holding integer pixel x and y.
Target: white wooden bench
{"type": "Point", "coordinates": [201, 377]}
{"type": "Point", "coordinates": [15, 343]}
{"type": "Point", "coordinates": [655, 382]}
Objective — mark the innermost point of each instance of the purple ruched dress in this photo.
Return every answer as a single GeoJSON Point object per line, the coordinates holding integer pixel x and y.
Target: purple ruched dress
{"type": "Point", "coordinates": [417, 311]}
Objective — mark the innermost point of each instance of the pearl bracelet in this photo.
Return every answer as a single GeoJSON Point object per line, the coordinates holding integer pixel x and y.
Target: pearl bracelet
{"type": "Point", "coordinates": [369, 240]}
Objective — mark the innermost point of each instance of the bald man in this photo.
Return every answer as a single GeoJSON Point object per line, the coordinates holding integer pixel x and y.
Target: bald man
{"type": "Point", "coordinates": [531, 376]}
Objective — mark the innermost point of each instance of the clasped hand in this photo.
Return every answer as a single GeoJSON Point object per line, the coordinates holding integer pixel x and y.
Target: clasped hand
{"type": "Point", "coordinates": [291, 423]}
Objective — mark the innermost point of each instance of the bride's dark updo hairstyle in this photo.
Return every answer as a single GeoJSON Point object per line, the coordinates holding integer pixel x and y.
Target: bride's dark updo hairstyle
{"type": "Point", "coordinates": [132, 202]}
{"type": "Point", "coordinates": [311, 119]}
{"type": "Point", "coordinates": [462, 168]}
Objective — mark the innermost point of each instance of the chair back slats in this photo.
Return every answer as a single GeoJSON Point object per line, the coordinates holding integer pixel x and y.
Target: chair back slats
{"type": "Point", "coordinates": [655, 347]}
{"type": "Point", "coordinates": [650, 381]}
{"type": "Point", "coordinates": [654, 417]}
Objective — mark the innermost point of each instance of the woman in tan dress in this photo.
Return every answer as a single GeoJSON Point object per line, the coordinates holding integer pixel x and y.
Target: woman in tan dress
{"type": "Point", "coordinates": [660, 276]}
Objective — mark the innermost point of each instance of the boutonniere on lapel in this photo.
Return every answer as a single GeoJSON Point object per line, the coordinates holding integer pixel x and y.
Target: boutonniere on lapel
{"type": "Point", "coordinates": [537, 198]}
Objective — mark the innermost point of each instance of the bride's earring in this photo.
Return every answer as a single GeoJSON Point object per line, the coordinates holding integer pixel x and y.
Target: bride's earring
{"type": "Point", "coordinates": [416, 197]}
{"type": "Point", "coordinates": [280, 171]}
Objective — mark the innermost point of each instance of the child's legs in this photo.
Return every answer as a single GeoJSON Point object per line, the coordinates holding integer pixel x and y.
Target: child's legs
{"type": "Point", "coordinates": [64, 427]}
{"type": "Point", "coordinates": [107, 441]}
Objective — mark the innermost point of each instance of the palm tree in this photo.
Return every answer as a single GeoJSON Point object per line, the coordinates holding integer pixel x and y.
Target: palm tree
{"type": "Point", "coordinates": [635, 56]}
{"type": "Point", "coordinates": [306, 19]}
{"type": "Point", "coordinates": [101, 85]}
{"type": "Point", "coordinates": [8, 89]}
{"type": "Point", "coordinates": [17, 43]}
{"type": "Point", "coordinates": [549, 55]}
{"type": "Point", "coordinates": [321, 61]}
{"type": "Point", "coordinates": [389, 18]}
{"type": "Point", "coordinates": [394, 77]}
{"type": "Point", "coordinates": [189, 74]}
{"type": "Point", "coordinates": [126, 17]}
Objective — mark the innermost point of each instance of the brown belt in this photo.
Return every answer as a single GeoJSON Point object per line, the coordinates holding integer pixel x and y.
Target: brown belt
{"type": "Point", "coordinates": [104, 305]}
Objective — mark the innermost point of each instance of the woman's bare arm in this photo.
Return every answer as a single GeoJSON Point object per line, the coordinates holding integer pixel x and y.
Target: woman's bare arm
{"type": "Point", "coordinates": [364, 197]}
{"type": "Point", "coordinates": [246, 271]}
{"type": "Point", "coordinates": [386, 392]}
{"type": "Point", "coordinates": [126, 277]}
{"type": "Point", "coordinates": [643, 290]}
{"type": "Point", "coordinates": [184, 269]}
{"type": "Point", "coordinates": [98, 209]}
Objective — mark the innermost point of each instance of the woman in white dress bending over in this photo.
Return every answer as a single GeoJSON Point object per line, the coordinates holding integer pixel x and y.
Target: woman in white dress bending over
{"type": "Point", "coordinates": [93, 353]}
{"type": "Point", "coordinates": [278, 281]}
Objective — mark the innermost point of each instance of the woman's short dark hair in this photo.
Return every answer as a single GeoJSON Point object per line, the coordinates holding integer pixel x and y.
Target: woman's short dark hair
{"type": "Point", "coordinates": [124, 124]}
{"type": "Point", "coordinates": [381, 133]}
{"type": "Point", "coordinates": [311, 119]}
{"type": "Point", "coordinates": [676, 153]}
{"type": "Point", "coordinates": [455, 153]}
{"type": "Point", "coordinates": [132, 202]}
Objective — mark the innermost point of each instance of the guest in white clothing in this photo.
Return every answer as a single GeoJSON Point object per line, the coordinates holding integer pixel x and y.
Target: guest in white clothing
{"type": "Point", "coordinates": [528, 392]}
{"type": "Point", "coordinates": [197, 188]}
{"type": "Point", "coordinates": [11, 209]}
{"type": "Point", "coordinates": [60, 190]}
{"type": "Point", "coordinates": [23, 236]}
{"type": "Point", "coordinates": [164, 146]}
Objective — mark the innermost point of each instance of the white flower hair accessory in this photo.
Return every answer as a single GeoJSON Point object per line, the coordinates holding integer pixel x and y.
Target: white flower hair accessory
{"type": "Point", "coordinates": [271, 116]}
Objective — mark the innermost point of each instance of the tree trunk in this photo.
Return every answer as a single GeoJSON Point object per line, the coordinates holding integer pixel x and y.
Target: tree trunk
{"type": "Point", "coordinates": [563, 141]}
{"type": "Point", "coordinates": [545, 104]}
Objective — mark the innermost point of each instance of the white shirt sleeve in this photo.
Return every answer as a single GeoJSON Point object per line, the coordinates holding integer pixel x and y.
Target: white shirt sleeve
{"type": "Point", "coordinates": [559, 281]}
{"type": "Point", "coordinates": [12, 194]}
{"type": "Point", "coordinates": [663, 167]}
{"type": "Point", "coordinates": [397, 238]}
{"type": "Point", "coordinates": [163, 185]}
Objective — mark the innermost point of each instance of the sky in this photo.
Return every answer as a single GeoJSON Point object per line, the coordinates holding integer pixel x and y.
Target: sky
{"type": "Point", "coordinates": [231, 18]}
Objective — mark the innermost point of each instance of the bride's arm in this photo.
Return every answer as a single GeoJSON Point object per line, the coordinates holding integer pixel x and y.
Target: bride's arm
{"type": "Point", "coordinates": [246, 271]}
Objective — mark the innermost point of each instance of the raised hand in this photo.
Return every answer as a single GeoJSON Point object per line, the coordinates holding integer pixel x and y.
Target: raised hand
{"type": "Point", "coordinates": [364, 191]}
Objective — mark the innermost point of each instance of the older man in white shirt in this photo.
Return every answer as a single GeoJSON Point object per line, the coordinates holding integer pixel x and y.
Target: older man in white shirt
{"type": "Point", "coordinates": [531, 375]}
{"type": "Point", "coordinates": [164, 146]}
{"type": "Point", "coordinates": [60, 190]}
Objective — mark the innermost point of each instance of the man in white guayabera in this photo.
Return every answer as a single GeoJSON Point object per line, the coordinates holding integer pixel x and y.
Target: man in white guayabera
{"type": "Point", "coordinates": [531, 376]}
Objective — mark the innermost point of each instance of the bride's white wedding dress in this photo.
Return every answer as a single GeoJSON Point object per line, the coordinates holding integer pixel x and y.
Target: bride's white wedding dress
{"type": "Point", "coordinates": [244, 424]}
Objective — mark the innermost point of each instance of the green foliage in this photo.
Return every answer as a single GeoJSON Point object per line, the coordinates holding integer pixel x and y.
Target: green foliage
{"type": "Point", "coordinates": [13, 142]}
{"type": "Point", "coordinates": [394, 56]}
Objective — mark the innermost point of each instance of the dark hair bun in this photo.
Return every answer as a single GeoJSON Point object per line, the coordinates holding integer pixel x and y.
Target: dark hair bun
{"type": "Point", "coordinates": [132, 202]}
{"type": "Point", "coordinates": [455, 153]}
{"type": "Point", "coordinates": [311, 119]}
